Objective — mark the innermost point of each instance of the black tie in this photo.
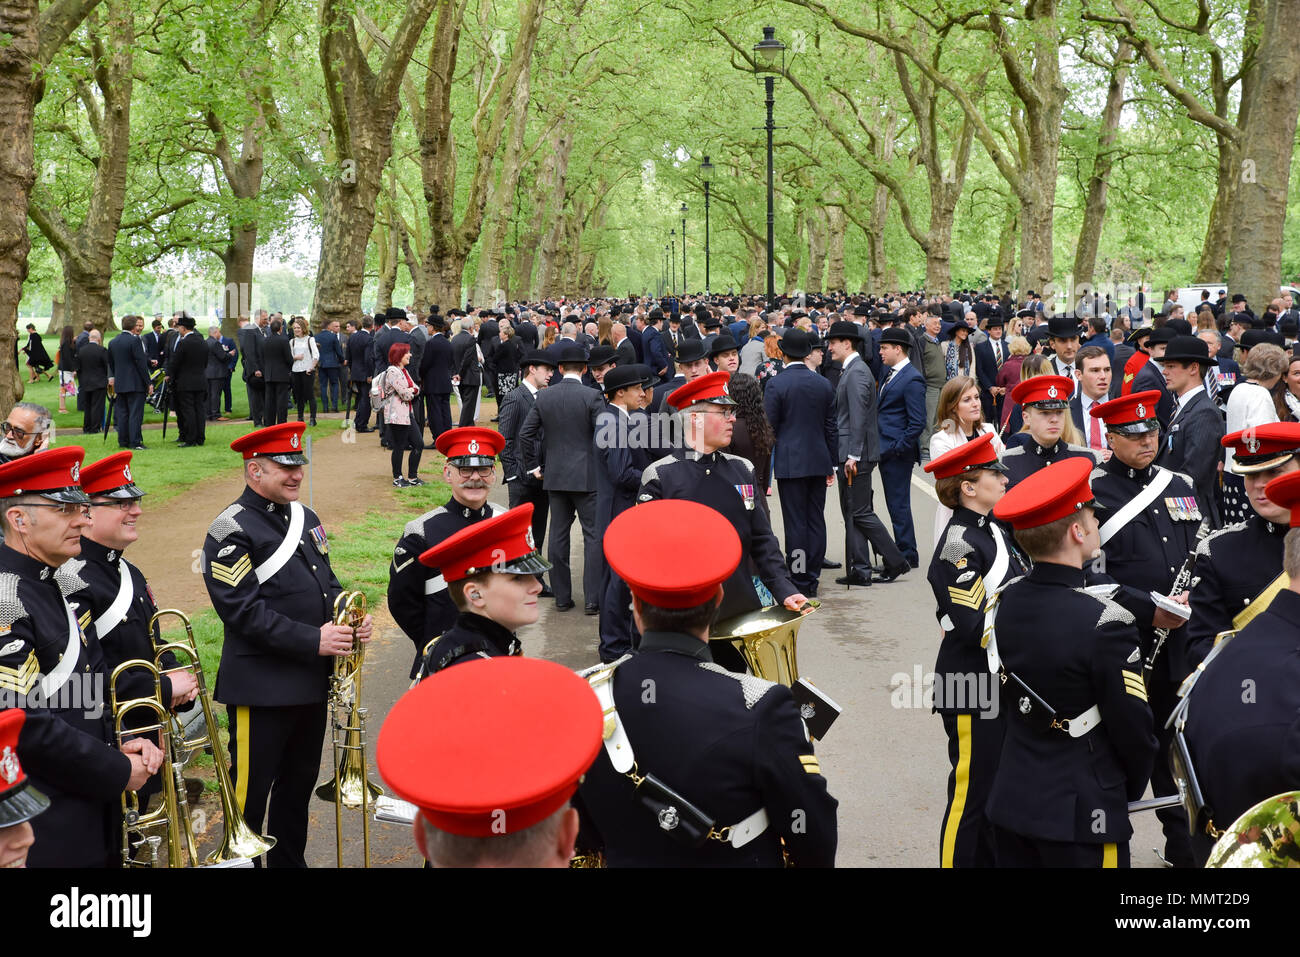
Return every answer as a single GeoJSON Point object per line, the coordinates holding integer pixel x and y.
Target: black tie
{"type": "Point", "coordinates": [888, 375]}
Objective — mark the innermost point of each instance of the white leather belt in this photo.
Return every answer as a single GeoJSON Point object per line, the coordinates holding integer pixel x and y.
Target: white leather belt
{"type": "Point", "coordinates": [435, 584]}
{"type": "Point", "coordinates": [749, 828]}
{"type": "Point", "coordinates": [55, 680]}
{"type": "Point", "coordinates": [113, 615]}
{"type": "Point", "coordinates": [286, 548]}
{"type": "Point", "coordinates": [1078, 727]}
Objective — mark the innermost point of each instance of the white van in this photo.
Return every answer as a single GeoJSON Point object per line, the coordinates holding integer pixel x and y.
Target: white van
{"type": "Point", "coordinates": [1189, 297]}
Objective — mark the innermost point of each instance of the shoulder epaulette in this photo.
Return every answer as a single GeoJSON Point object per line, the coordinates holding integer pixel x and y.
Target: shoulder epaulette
{"type": "Point", "coordinates": [416, 525]}
{"type": "Point", "coordinates": [68, 576]}
{"type": "Point", "coordinates": [11, 606]}
{"type": "Point", "coordinates": [1203, 549]}
{"type": "Point", "coordinates": [1110, 611]}
{"type": "Point", "coordinates": [224, 524]}
{"type": "Point", "coordinates": [955, 546]}
{"type": "Point", "coordinates": [751, 687]}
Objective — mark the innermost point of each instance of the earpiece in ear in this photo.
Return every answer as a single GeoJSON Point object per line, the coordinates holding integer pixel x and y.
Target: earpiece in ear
{"type": "Point", "coordinates": [475, 596]}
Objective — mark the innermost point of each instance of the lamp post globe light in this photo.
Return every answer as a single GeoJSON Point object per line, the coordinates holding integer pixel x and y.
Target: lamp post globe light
{"type": "Point", "coordinates": [765, 53]}
{"type": "Point", "coordinates": [706, 175]}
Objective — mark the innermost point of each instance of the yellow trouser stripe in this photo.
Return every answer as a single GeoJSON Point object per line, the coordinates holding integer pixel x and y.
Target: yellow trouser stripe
{"type": "Point", "coordinates": [241, 756]}
{"type": "Point", "coordinates": [958, 806]}
{"type": "Point", "coordinates": [1109, 856]}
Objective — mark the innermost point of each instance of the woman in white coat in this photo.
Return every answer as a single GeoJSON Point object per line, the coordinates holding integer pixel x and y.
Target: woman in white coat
{"type": "Point", "coordinates": [958, 419]}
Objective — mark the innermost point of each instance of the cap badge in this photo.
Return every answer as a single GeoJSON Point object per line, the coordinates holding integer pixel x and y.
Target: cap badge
{"type": "Point", "coordinates": [807, 711]}
{"type": "Point", "coordinates": [726, 390]}
{"type": "Point", "coordinates": [1025, 706]}
{"type": "Point", "coordinates": [1141, 411]}
{"type": "Point", "coordinates": [1051, 392]}
{"type": "Point", "coordinates": [9, 768]}
{"type": "Point", "coordinates": [76, 472]}
{"type": "Point", "coordinates": [126, 473]}
{"type": "Point", "coordinates": [1252, 445]}
{"type": "Point", "coordinates": [473, 447]}
{"type": "Point", "coordinates": [669, 818]}
{"type": "Point", "coordinates": [293, 440]}
{"type": "Point", "coordinates": [528, 538]}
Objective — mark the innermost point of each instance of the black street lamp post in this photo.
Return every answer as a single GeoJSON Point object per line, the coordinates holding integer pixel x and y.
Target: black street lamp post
{"type": "Point", "coordinates": [672, 240]}
{"type": "Point", "coordinates": [685, 288]}
{"type": "Point", "coordinates": [706, 174]}
{"type": "Point", "coordinates": [767, 49]}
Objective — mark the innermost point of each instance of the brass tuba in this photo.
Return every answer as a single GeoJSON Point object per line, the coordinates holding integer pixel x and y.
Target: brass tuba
{"type": "Point", "coordinates": [1266, 835]}
{"type": "Point", "coordinates": [766, 638]}
{"type": "Point", "coordinates": [239, 842]}
{"type": "Point", "coordinates": [350, 787]}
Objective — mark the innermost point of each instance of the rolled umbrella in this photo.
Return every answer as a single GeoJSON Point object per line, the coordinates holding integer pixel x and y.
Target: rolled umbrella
{"type": "Point", "coordinates": [164, 406]}
{"type": "Point", "coordinates": [108, 410]}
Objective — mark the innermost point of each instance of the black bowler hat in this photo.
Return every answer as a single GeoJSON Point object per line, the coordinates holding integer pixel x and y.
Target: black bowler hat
{"type": "Point", "coordinates": [1238, 297]}
{"type": "Point", "coordinates": [395, 312]}
{"type": "Point", "coordinates": [1180, 326]}
{"type": "Point", "coordinates": [690, 350]}
{"type": "Point", "coordinates": [536, 357]}
{"type": "Point", "coordinates": [624, 376]}
{"type": "Point", "coordinates": [1188, 349]}
{"type": "Point", "coordinates": [1137, 335]}
{"type": "Point", "coordinates": [573, 355]}
{"type": "Point", "coordinates": [896, 336]}
{"type": "Point", "coordinates": [601, 356]}
{"type": "Point", "coordinates": [863, 311]}
{"type": "Point", "coordinates": [795, 344]}
{"type": "Point", "coordinates": [185, 320]}
{"type": "Point", "coordinates": [723, 343]}
{"type": "Point", "coordinates": [995, 321]}
{"type": "Point", "coordinates": [1063, 327]}
{"type": "Point", "coordinates": [844, 330]}
{"type": "Point", "coordinates": [1259, 337]}
{"type": "Point", "coordinates": [1163, 334]}
{"type": "Point", "coordinates": [1027, 314]}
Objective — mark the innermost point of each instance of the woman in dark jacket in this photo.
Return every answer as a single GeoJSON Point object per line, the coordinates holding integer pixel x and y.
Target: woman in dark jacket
{"type": "Point", "coordinates": [752, 437]}
{"type": "Point", "coordinates": [67, 357]}
{"type": "Point", "coordinates": [507, 355]}
{"type": "Point", "coordinates": [38, 360]}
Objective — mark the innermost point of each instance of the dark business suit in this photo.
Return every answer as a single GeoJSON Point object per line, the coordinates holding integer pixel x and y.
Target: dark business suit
{"type": "Point", "coordinates": [1191, 446]}
{"type": "Point", "coordinates": [187, 370]}
{"type": "Point", "coordinates": [277, 369]}
{"type": "Point", "coordinates": [435, 373]}
{"type": "Point", "coordinates": [562, 426]}
{"type": "Point", "coordinates": [987, 366]}
{"type": "Point", "coordinates": [1150, 377]}
{"type": "Point", "coordinates": [217, 374]}
{"type": "Point", "coordinates": [250, 357]}
{"type": "Point", "coordinates": [92, 378]}
{"type": "Point", "coordinates": [858, 436]}
{"type": "Point", "coordinates": [657, 356]}
{"type": "Point", "coordinates": [800, 405]}
{"type": "Point", "coordinates": [358, 351]}
{"type": "Point", "coordinates": [619, 465]}
{"type": "Point", "coordinates": [464, 360]}
{"type": "Point", "coordinates": [520, 486]}
{"type": "Point", "coordinates": [129, 371]}
{"type": "Point", "coordinates": [902, 420]}
{"type": "Point", "coordinates": [625, 354]}
{"type": "Point", "coordinates": [153, 349]}
{"type": "Point", "coordinates": [331, 364]}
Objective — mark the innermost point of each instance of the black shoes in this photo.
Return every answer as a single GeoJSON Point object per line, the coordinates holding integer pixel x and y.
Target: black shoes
{"type": "Point", "coordinates": [830, 564]}
{"type": "Point", "coordinates": [591, 610]}
{"type": "Point", "coordinates": [563, 605]}
{"type": "Point", "coordinates": [359, 429]}
{"type": "Point", "coordinates": [890, 574]}
{"type": "Point", "coordinates": [414, 480]}
{"type": "Point", "coordinates": [545, 593]}
{"type": "Point", "coordinates": [853, 580]}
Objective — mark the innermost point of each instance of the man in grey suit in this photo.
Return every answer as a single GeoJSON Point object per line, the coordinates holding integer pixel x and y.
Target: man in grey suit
{"type": "Point", "coordinates": [858, 453]}
{"type": "Point", "coordinates": [535, 370]}
{"type": "Point", "coordinates": [561, 427]}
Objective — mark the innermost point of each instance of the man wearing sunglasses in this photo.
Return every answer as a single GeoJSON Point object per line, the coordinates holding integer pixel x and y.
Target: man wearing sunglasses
{"type": "Point", "coordinates": [417, 594]}
{"type": "Point", "coordinates": [52, 669]}
{"type": "Point", "coordinates": [108, 592]}
{"type": "Point", "coordinates": [26, 431]}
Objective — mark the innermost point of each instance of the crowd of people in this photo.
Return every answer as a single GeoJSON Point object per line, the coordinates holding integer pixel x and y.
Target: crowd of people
{"type": "Point", "coordinates": [1126, 477]}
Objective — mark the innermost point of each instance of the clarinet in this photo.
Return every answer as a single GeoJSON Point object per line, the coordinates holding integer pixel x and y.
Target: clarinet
{"type": "Point", "coordinates": [1181, 581]}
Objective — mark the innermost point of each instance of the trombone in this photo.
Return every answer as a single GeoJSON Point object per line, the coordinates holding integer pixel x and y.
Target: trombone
{"type": "Point", "coordinates": [239, 842]}
{"type": "Point", "coordinates": [350, 787]}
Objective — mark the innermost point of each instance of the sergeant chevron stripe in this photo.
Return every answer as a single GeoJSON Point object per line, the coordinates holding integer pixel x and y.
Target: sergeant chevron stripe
{"type": "Point", "coordinates": [972, 597]}
{"type": "Point", "coordinates": [232, 575]}
{"type": "Point", "coordinates": [1134, 685]}
{"type": "Point", "coordinates": [810, 763]}
{"type": "Point", "coordinates": [21, 679]}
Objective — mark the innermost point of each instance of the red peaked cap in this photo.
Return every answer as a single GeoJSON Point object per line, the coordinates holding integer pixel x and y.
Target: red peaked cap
{"type": "Point", "coordinates": [975, 454]}
{"type": "Point", "coordinates": [1284, 491]}
{"type": "Point", "coordinates": [471, 446]}
{"type": "Point", "coordinates": [491, 746]}
{"type": "Point", "coordinates": [1131, 414]}
{"type": "Point", "coordinates": [1044, 391]}
{"type": "Point", "coordinates": [503, 543]}
{"type": "Point", "coordinates": [672, 553]}
{"type": "Point", "coordinates": [707, 388]}
{"type": "Point", "coordinates": [19, 801]}
{"type": "Point", "coordinates": [1054, 492]}
{"type": "Point", "coordinates": [55, 474]}
{"type": "Point", "coordinates": [1263, 447]}
{"type": "Point", "coordinates": [280, 443]}
{"type": "Point", "coordinates": [110, 476]}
